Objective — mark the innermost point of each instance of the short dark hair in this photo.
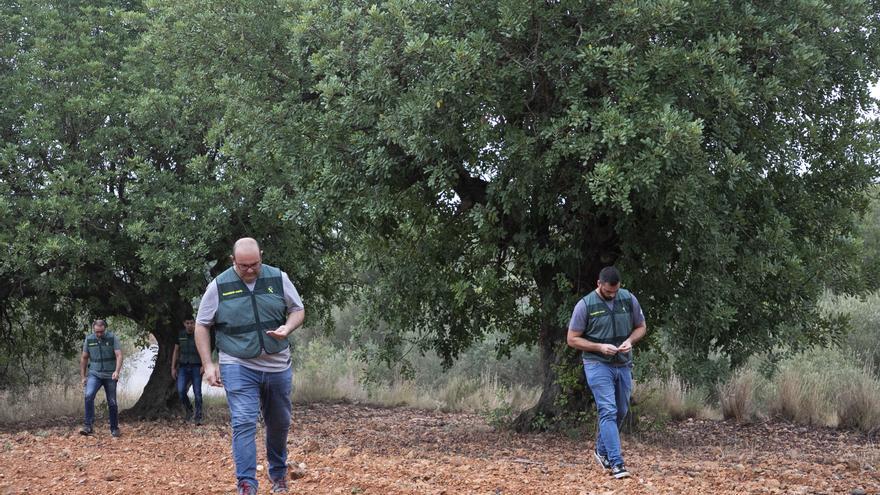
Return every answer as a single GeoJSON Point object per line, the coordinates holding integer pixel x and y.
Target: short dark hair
{"type": "Point", "coordinates": [189, 317]}
{"type": "Point", "coordinates": [102, 320]}
{"type": "Point", "coordinates": [609, 275]}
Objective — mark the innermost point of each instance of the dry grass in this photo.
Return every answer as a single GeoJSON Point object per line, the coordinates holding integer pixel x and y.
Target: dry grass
{"type": "Point", "coordinates": [52, 401]}
{"type": "Point", "coordinates": [671, 398]}
{"type": "Point", "coordinates": [739, 397]}
{"type": "Point", "coordinates": [858, 403]}
{"type": "Point", "coordinates": [801, 397]}
{"type": "Point", "coordinates": [334, 374]}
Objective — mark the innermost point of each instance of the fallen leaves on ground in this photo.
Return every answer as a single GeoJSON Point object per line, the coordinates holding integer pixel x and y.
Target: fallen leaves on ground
{"type": "Point", "coordinates": [354, 449]}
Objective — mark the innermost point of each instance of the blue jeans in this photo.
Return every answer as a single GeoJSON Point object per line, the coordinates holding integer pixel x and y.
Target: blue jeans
{"type": "Point", "coordinates": [93, 383]}
{"type": "Point", "coordinates": [190, 374]}
{"type": "Point", "coordinates": [247, 393]}
{"type": "Point", "coordinates": [612, 388]}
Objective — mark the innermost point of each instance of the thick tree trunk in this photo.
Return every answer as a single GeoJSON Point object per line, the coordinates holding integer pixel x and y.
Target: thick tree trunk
{"type": "Point", "coordinates": [564, 394]}
{"type": "Point", "coordinates": [159, 398]}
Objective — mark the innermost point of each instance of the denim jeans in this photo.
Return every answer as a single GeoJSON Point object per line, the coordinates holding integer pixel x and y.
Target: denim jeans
{"type": "Point", "coordinates": [611, 387]}
{"type": "Point", "coordinates": [190, 374]}
{"type": "Point", "coordinates": [247, 393]}
{"type": "Point", "coordinates": [93, 383]}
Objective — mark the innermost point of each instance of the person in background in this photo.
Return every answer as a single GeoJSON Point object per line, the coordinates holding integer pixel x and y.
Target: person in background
{"type": "Point", "coordinates": [100, 364]}
{"type": "Point", "coordinates": [186, 368]}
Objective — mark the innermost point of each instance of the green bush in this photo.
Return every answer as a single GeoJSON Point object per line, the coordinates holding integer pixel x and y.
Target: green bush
{"type": "Point", "coordinates": [862, 342]}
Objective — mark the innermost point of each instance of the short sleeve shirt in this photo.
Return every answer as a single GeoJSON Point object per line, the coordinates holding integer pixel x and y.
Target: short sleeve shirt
{"type": "Point", "coordinates": [116, 347]}
{"type": "Point", "coordinates": [264, 362]}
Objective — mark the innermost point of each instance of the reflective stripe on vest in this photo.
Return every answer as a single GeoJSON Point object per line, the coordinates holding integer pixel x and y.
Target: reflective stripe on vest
{"type": "Point", "coordinates": [102, 356]}
{"type": "Point", "coordinates": [605, 327]}
{"type": "Point", "coordinates": [187, 352]}
{"type": "Point", "coordinates": [243, 316]}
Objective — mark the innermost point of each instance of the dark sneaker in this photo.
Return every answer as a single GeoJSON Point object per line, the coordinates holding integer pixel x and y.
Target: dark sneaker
{"type": "Point", "coordinates": [619, 471]}
{"type": "Point", "coordinates": [245, 488]}
{"type": "Point", "coordinates": [197, 420]}
{"type": "Point", "coordinates": [602, 460]}
{"type": "Point", "coordinates": [115, 433]}
{"type": "Point", "coordinates": [279, 486]}
{"type": "Point", "coordinates": [86, 430]}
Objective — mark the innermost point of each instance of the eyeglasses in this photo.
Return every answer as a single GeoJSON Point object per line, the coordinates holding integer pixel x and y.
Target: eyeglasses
{"type": "Point", "coordinates": [249, 267]}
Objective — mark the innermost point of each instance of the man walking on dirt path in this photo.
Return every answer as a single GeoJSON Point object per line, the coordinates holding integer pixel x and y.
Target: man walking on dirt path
{"type": "Point", "coordinates": [99, 366]}
{"type": "Point", "coordinates": [186, 368]}
{"type": "Point", "coordinates": [253, 308]}
{"type": "Point", "coordinates": [604, 325]}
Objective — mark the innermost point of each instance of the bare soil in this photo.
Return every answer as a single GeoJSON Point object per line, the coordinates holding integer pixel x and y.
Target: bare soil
{"type": "Point", "coordinates": [355, 449]}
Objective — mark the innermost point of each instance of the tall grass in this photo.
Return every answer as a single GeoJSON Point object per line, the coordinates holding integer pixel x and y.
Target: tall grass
{"type": "Point", "coordinates": [327, 372]}
{"type": "Point", "coordinates": [671, 398]}
{"type": "Point", "coordinates": [53, 401]}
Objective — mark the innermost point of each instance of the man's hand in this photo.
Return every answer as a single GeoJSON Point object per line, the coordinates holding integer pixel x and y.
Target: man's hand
{"type": "Point", "coordinates": [174, 373]}
{"type": "Point", "coordinates": [626, 346]}
{"type": "Point", "coordinates": [279, 333]}
{"type": "Point", "coordinates": [115, 376]}
{"type": "Point", "coordinates": [609, 350]}
{"type": "Point", "coordinates": [84, 380]}
{"type": "Point", "coordinates": [212, 375]}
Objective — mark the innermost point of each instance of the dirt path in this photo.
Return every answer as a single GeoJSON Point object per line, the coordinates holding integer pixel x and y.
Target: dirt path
{"type": "Point", "coordinates": [351, 449]}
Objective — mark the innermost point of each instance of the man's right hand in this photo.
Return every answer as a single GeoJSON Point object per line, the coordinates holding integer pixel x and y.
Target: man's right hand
{"type": "Point", "coordinates": [212, 375]}
{"type": "Point", "coordinates": [84, 382]}
{"type": "Point", "coordinates": [174, 373]}
{"type": "Point", "coordinates": [609, 350]}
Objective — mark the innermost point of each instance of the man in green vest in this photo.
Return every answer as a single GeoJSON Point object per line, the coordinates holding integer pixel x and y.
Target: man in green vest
{"type": "Point", "coordinates": [252, 308]}
{"type": "Point", "coordinates": [186, 368]}
{"type": "Point", "coordinates": [100, 364]}
{"type": "Point", "coordinates": [604, 325]}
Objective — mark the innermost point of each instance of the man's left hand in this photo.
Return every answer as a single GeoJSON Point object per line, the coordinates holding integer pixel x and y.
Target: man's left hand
{"type": "Point", "coordinates": [115, 375]}
{"type": "Point", "coordinates": [626, 346]}
{"type": "Point", "coordinates": [279, 333]}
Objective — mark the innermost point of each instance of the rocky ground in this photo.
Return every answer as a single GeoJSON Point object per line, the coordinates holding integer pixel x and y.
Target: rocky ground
{"type": "Point", "coordinates": [354, 449]}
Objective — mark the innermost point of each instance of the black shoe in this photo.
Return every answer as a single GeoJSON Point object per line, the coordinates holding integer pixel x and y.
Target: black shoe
{"type": "Point", "coordinates": [86, 430]}
{"type": "Point", "coordinates": [602, 460]}
{"type": "Point", "coordinates": [619, 471]}
{"type": "Point", "coordinates": [115, 433]}
{"type": "Point", "coordinates": [189, 415]}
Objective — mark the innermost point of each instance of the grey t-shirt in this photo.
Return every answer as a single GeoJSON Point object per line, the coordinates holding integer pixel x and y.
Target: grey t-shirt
{"type": "Point", "coordinates": [264, 362]}
{"type": "Point", "coordinates": [116, 347]}
{"type": "Point", "coordinates": [578, 322]}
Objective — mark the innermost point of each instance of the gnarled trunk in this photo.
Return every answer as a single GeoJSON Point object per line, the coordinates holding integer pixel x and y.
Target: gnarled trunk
{"type": "Point", "coordinates": [159, 398]}
{"type": "Point", "coordinates": [563, 393]}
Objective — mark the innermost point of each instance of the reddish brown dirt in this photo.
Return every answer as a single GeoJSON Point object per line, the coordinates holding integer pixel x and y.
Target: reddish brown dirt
{"type": "Point", "coordinates": [353, 449]}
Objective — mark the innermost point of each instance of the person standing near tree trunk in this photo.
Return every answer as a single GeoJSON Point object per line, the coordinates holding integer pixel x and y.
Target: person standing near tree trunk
{"type": "Point", "coordinates": [186, 368]}
{"type": "Point", "coordinates": [253, 308]}
{"type": "Point", "coordinates": [100, 364]}
{"type": "Point", "coordinates": [605, 325]}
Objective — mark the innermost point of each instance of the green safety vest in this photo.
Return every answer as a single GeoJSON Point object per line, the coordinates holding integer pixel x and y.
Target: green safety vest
{"type": "Point", "coordinates": [243, 316]}
{"type": "Point", "coordinates": [102, 356]}
{"type": "Point", "coordinates": [605, 327]}
{"type": "Point", "coordinates": [187, 353]}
